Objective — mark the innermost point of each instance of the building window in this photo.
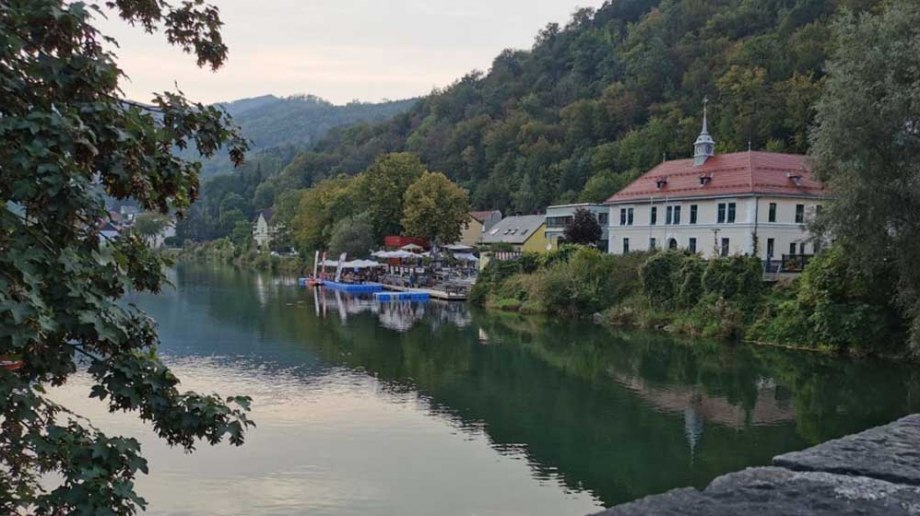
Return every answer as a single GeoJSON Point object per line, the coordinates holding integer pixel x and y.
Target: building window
{"type": "Point", "coordinates": [731, 212]}
{"type": "Point", "coordinates": [651, 244]}
{"type": "Point", "coordinates": [692, 245]}
{"type": "Point", "coordinates": [772, 216]}
{"type": "Point", "coordinates": [792, 249]}
{"type": "Point", "coordinates": [720, 216]}
{"type": "Point", "coordinates": [693, 212]}
{"type": "Point", "coordinates": [653, 216]}
{"type": "Point", "coordinates": [622, 216]}
{"type": "Point", "coordinates": [677, 215]}
{"type": "Point", "coordinates": [559, 222]}
{"type": "Point", "coordinates": [625, 246]}
{"type": "Point", "coordinates": [603, 218]}
{"type": "Point", "coordinates": [629, 217]}
{"type": "Point", "coordinates": [771, 244]}
{"type": "Point", "coordinates": [725, 245]}
{"type": "Point", "coordinates": [799, 213]}
{"type": "Point", "coordinates": [802, 248]}
{"type": "Point", "coordinates": [672, 244]}
{"type": "Point", "coordinates": [668, 214]}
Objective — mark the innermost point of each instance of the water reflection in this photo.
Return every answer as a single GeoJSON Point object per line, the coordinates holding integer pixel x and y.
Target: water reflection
{"type": "Point", "coordinates": [613, 416]}
{"type": "Point", "coordinates": [399, 316]}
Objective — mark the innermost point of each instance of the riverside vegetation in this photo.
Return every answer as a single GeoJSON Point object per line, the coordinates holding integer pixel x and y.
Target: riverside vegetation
{"type": "Point", "coordinates": [828, 308]}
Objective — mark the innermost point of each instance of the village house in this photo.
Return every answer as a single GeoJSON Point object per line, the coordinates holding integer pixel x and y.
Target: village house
{"type": "Point", "coordinates": [558, 217]}
{"type": "Point", "coordinates": [262, 229]}
{"type": "Point", "coordinates": [479, 223]}
{"type": "Point", "coordinates": [525, 233]}
{"type": "Point", "coordinates": [744, 203]}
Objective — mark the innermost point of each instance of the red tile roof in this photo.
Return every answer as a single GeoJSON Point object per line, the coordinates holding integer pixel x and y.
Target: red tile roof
{"type": "Point", "coordinates": [739, 173]}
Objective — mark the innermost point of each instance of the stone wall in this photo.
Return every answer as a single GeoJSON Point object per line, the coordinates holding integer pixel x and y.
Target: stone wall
{"type": "Point", "coordinates": [873, 472]}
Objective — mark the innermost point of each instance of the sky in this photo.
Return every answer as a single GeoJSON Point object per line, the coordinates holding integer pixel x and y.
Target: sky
{"type": "Point", "coordinates": [340, 50]}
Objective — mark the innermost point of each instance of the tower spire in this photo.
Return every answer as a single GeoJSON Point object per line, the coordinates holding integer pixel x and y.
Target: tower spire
{"type": "Point", "coordinates": [704, 147]}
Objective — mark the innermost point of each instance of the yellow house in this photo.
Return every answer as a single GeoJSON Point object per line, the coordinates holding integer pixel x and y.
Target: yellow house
{"type": "Point", "coordinates": [525, 233]}
{"type": "Point", "coordinates": [479, 223]}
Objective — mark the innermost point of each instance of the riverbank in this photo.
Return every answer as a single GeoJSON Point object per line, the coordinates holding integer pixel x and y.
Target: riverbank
{"type": "Point", "coordinates": [873, 472]}
{"type": "Point", "coordinates": [225, 252]}
{"type": "Point", "coordinates": [827, 309]}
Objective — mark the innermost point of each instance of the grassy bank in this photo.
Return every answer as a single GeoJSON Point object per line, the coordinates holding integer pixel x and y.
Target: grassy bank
{"type": "Point", "coordinates": [828, 308]}
{"type": "Point", "coordinates": [225, 252]}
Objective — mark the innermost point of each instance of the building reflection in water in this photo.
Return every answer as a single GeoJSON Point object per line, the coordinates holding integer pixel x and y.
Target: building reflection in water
{"type": "Point", "coordinates": [400, 316]}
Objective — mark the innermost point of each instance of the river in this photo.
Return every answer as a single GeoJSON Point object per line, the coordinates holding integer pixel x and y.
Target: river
{"type": "Point", "coordinates": [435, 408]}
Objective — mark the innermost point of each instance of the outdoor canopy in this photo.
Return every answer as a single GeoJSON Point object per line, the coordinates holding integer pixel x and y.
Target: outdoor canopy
{"type": "Point", "coordinates": [354, 264]}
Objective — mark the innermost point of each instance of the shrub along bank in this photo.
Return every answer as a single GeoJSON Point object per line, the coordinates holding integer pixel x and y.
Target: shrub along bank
{"type": "Point", "coordinates": [225, 252]}
{"type": "Point", "coordinates": [828, 308]}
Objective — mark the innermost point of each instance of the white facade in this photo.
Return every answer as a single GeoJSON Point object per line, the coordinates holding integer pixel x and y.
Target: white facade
{"type": "Point", "coordinates": [756, 225]}
{"type": "Point", "coordinates": [262, 232]}
{"type": "Point", "coordinates": [561, 215]}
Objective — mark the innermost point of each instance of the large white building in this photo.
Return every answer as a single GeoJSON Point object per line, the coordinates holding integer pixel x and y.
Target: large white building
{"type": "Point", "coordinates": [751, 203]}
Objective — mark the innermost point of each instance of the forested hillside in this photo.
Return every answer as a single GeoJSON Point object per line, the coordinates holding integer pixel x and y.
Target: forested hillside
{"type": "Point", "coordinates": [587, 108]}
{"type": "Point", "coordinates": [607, 96]}
{"type": "Point", "coordinates": [292, 124]}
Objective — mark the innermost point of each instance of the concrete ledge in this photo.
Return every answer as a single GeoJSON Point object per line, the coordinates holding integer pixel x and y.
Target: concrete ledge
{"type": "Point", "coordinates": [873, 472]}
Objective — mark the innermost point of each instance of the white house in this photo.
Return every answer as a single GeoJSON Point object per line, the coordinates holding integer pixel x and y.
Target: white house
{"type": "Point", "coordinates": [753, 203]}
{"type": "Point", "coordinates": [262, 228]}
{"type": "Point", "coordinates": [561, 215]}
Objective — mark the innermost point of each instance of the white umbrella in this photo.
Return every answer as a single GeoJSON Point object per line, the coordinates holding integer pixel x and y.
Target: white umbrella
{"type": "Point", "coordinates": [412, 247]}
{"type": "Point", "coordinates": [458, 247]}
{"type": "Point", "coordinates": [466, 257]}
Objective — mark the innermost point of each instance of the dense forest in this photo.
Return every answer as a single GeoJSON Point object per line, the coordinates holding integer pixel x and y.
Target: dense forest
{"type": "Point", "coordinates": [590, 105]}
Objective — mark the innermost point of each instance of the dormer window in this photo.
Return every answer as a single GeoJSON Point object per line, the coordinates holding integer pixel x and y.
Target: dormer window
{"type": "Point", "coordinates": [661, 182]}
{"type": "Point", "coordinates": [795, 177]}
{"type": "Point", "coordinates": [705, 179]}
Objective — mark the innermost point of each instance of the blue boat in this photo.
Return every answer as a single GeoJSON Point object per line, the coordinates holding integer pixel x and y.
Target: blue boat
{"type": "Point", "coordinates": [354, 288]}
{"type": "Point", "coordinates": [401, 296]}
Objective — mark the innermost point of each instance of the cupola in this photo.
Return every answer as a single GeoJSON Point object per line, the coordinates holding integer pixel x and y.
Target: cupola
{"type": "Point", "coordinates": [704, 147]}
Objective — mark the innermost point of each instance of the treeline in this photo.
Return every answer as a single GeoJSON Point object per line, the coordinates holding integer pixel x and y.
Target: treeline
{"type": "Point", "coordinates": [352, 214]}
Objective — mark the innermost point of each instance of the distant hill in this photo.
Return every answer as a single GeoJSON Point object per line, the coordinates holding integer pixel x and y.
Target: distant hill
{"type": "Point", "coordinates": [296, 122]}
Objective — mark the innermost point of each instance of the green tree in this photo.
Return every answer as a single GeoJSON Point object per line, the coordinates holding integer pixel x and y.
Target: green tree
{"type": "Point", "coordinates": [866, 145]}
{"type": "Point", "coordinates": [353, 236]}
{"type": "Point", "coordinates": [381, 189]}
{"type": "Point", "coordinates": [149, 224]}
{"type": "Point", "coordinates": [241, 234]}
{"type": "Point", "coordinates": [584, 228]}
{"type": "Point", "coordinates": [435, 208]}
{"type": "Point", "coordinates": [68, 134]}
{"type": "Point", "coordinates": [318, 209]}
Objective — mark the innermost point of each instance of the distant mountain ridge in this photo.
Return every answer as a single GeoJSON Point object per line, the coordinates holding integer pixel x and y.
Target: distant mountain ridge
{"type": "Point", "coordinates": [296, 122]}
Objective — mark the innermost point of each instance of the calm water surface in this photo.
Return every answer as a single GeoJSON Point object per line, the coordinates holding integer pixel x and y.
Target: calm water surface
{"type": "Point", "coordinates": [414, 409]}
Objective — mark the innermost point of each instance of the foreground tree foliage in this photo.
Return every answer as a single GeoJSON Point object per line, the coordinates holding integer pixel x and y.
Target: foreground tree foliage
{"type": "Point", "coordinates": [67, 137]}
{"type": "Point", "coordinates": [867, 146]}
{"type": "Point", "coordinates": [584, 228]}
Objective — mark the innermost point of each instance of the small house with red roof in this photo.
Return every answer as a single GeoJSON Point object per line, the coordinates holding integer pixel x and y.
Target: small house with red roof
{"type": "Point", "coordinates": [745, 203]}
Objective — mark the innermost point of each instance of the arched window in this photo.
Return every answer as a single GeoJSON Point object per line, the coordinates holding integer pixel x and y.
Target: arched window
{"type": "Point", "coordinates": [672, 243]}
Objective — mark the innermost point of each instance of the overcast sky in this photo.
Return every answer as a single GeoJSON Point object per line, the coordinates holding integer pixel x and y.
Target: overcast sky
{"type": "Point", "coordinates": [339, 49]}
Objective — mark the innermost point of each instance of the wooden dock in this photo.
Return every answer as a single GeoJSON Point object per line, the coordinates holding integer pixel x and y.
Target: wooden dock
{"type": "Point", "coordinates": [433, 293]}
